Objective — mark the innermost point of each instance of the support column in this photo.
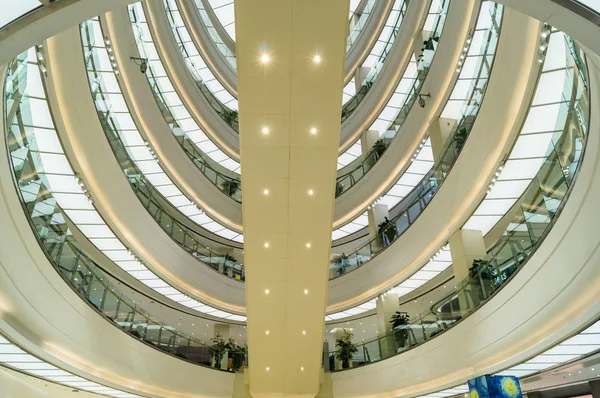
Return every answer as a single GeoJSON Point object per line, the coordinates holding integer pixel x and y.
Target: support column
{"type": "Point", "coordinates": [595, 387]}
{"type": "Point", "coordinates": [377, 214]}
{"type": "Point", "coordinates": [439, 131]}
{"type": "Point", "coordinates": [466, 245]}
{"type": "Point", "coordinates": [387, 305]}
{"type": "Point", "coordinates": [222, 330]}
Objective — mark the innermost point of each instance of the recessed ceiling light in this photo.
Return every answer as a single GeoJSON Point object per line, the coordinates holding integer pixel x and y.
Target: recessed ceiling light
{"type": "Point", "coordinates": [267, 245]}
{"type": "Point", "coordinates": [267, 369]}
{"type": "Point", "coordinates": [305, 291]}
{"type": "Point", "coordinates": [311, 192]}
{"type": "Point", "coordinates": [304, 332]}
{"type": "Point", "coordinates": [302, 368]}
{"type": "Point", "coordinates": [265, 130]}
{"type": "Point", "coordinates": [265, 58]}
{"type": "Point", "coordinates": [266, 192]}
{"type": "Point", "coordinates": [308, 245]}
{"type": "Point", "coordinates": [267, 332]}
{"type": "Point", "coordinates": [267, 291]}
{"type": "Point", "coordinates": [314, 131]}
{"type": "Point", "coordinates": [317, 59]}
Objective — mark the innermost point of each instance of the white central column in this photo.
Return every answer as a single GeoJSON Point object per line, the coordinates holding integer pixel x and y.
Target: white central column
{"type": "Point", "coordinates": [290, 58]}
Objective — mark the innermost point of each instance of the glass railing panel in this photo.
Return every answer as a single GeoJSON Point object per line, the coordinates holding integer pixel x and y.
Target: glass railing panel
{"type": "Point", "coordinates": [360, 24]}
{"type": "Point", "coordinates": [13, 10]}
{"type": "Point", "coordinates": [413, 204]}
{"type": "Point", "coordinates": [133, 153]}
{"type": "Point", "coordinates": [219, 98]}
{"type": "Point", "coordinates": [533, 216]}
{"type": "Point", "coordinates": [214, 35]}
{"type": "Point", "coordinates": [47, 183]}
{"type": "Point", "coordinates": [404, 97]}
{"type": "Point", "coordinates": [28, 148]}
{"type": "Point", "coordinates": [211, 160]}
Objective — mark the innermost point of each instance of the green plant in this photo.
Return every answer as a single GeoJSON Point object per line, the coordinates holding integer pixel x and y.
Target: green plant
{"type": "Point", "coordinates": [339, 189]}
{"type": "Point", "coordinates": [219, 348]}
{"type": "Point", "coordinates": [387, 229]}
{"type": "Point", "coordinates": [339, 258]}
{"type": "Point", "coordinates": [230, 187]}
{"type": "Point", "coordinates": [345, 349]}
{"type": "Point", "coordinates": [480, 267]}
{"type": "Point", "coordinates": [379, 147]}
{"type": "Point", "coordinates": [229, 257]}
{"type": "Point", "coordinates": [230, 116]}
{"type": "Point", "coordinates": [459, 138]}
{"type": "Point", "coordinates": [237, 354]}
{"type": "Point", "coordinates": [399, 322]}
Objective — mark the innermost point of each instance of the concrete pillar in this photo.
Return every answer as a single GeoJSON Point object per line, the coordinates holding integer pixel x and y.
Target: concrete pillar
{"type": "Point", "coordinates": [387, 305]}
{"type": "Point", "coordinates": [222, 330]}
{"type": "Point", "coordinates": [595, 387]}
{"type": "Point", "coordinates": [465, 246]}
{"type": "Point", "coordinates": [439, 131]}
{"type": "Point", "coordinates": [377, 214]}
{"type": "Point", "coordinates": [368, 139]}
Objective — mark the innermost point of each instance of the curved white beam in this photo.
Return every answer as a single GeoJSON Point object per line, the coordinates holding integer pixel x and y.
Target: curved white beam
{"type": "Point", "coordinates": [114, 197]}
{"type": "Point", "coordinates": [551, 298]}
{"type": "Point", "coordinates": [490, 139]}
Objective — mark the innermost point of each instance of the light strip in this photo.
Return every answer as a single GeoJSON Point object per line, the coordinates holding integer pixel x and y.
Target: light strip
{"type": "Point", "coordinates": [545, 120]}
{"type": "Point", "coordinates": [161, 84]}
{"type": "Point", "coordinates": [72, 197]}
{"type": "Point", "coordinates": [14, 357]}
{"type": "Point", "coordinates": [112, 102]}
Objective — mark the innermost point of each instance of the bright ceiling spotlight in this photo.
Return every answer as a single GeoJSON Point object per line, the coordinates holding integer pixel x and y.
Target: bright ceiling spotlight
{"type": "Point", "coordinates": [314, 131]}
{"type": "Point", "coordinates": [265, 130]}
{"type": "Point", "coordinates": [266, 192]}
{"type": "Point", "coordinates": [317, 59]}
{"type": "Point", "coordinates": [311, 192]}
{"type": "Point", "coordinates": [305, 291]}
{"type": "Point", "coordinates": [265, 58]}
{"type": "Point", "coordinates": [267, 291]}
{"type": "Point", "coordinates": [266, 245]}
{"type": "Point", "coordinates": [308, 245]}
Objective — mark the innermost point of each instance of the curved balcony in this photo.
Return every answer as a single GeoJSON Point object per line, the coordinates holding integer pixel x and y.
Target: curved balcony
{"type": "Point", "coordinates": [552, 208]}
{"type": "Point", "coordinates": [115, 195]}
{"type": "Point", "coordinates": [34, 151]}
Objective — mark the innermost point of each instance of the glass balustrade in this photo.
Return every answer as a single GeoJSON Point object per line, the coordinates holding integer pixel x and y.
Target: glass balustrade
{"type": "Point", "coordinates": [48, 222]}
{"type": "Point", "coordinates": [531, 218]}
{"type": "Point", "coordinates": [214, 34]}
{"type": "Point", "coordinates": [13, 10]}
{"type": "Point", "coordinates": [360, 24]}
{"type": "Point", "coordinates": [377, 56]}
{"type": "Point", "coordinates": [415, 202]}
{"type": "Point", "coordinates": [214, 163]}
{"type": "Point", "coordinates": [160, 208]}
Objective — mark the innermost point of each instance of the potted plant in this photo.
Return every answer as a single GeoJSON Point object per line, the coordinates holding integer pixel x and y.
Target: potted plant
{"type": "Point", "coordinates": [480, 267]}
{"type": "Point", "coordinates": [340, 259]}
{"type": "Point", "coordinates": [379, 148]}
{"type": "Point", "coordinates": [339, 189]}
{"type": "Point", "coordinates": [399, 322]}
{"type": "Point", "coordinates": [387, 230]}
{"type": "Point", "coordinates": [219, 348]}
{"type": "Point", "coordinates": [459, 138]}
{"type": "Point", "coordinates": [237, 355]}
{"type": "Point", "coordinates": [230, 116]}
{"type": "Point", "coordinates": [230, 187]}
{"type": "Point", "coordinates": [345, 349]}
{"type": "Point", "coordinates": [230, 258]}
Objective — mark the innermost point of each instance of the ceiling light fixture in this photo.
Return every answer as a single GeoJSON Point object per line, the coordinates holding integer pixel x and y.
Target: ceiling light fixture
{"type": "Point", "coordinates": [266, 245]}
{"type": "Point", "coordinates": [266, 192]}
{"type": "Point", "coordinates": [267, 332]}
{"type": "Point", "coordinates": [314, 131]}
{"type": "Point", "coordinates": [265, 58]}
{"type": "Point", "coordinates": [265, 130]}
{"type": "Point", "coordinates": [305, 291]}
{"type": "Point", "coordinates": [308, 245]}
{"type": "Point", "coordinates": [317, 59]}
{"type": "Point", "coordinates": [311, 192]}
{"type": "Point", "coordinates": [302, 368]}
{"type": "Point", "coordinates": [267, 291]}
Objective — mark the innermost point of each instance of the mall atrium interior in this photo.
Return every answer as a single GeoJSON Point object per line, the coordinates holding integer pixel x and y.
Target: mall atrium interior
{"type": "Point", "coordinates": [300, 198]}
